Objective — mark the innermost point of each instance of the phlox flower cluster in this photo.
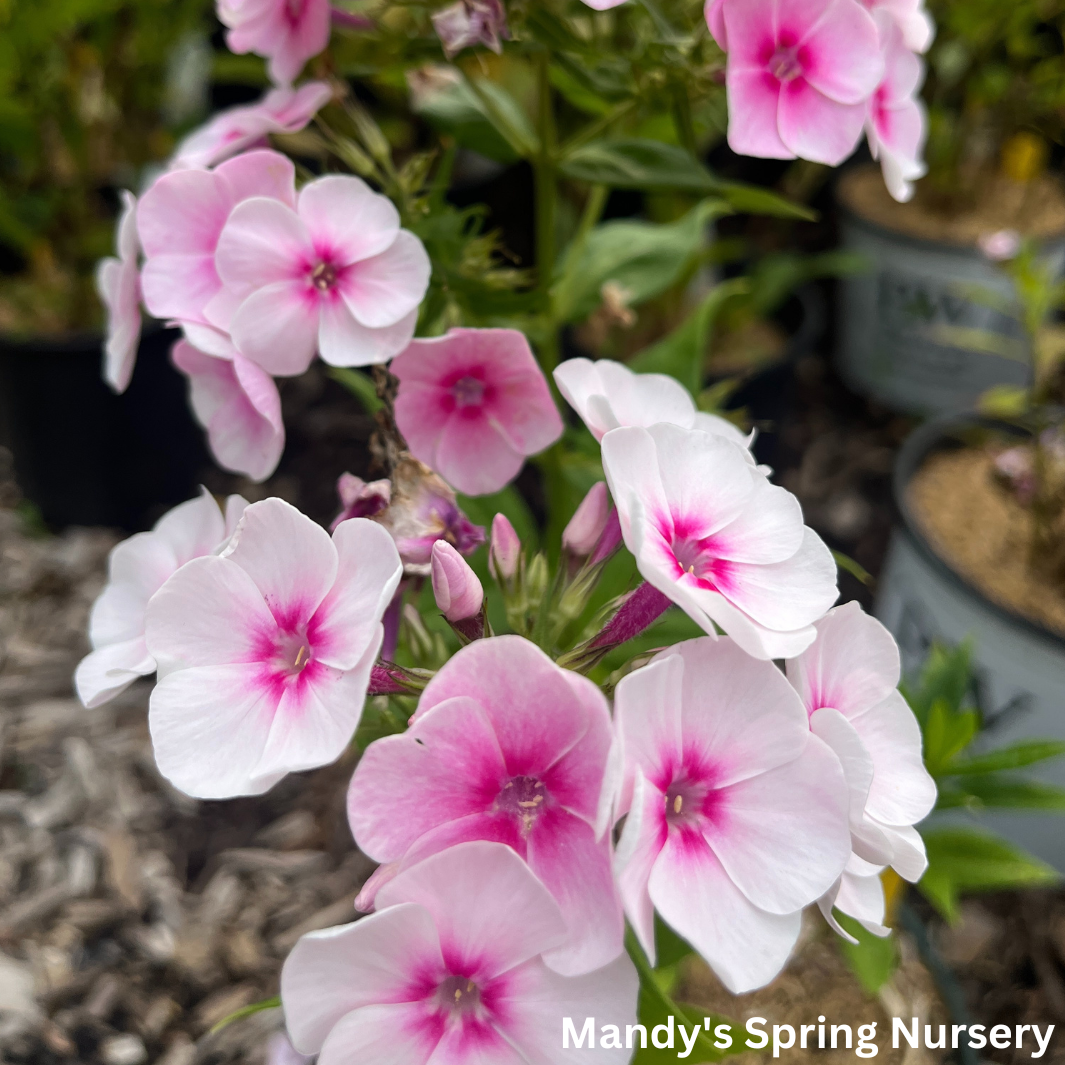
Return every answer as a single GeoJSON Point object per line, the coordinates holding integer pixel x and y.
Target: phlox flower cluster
{"type": "Point", "coordinates": [808, 79]}
{"type": "Point", "coordinates": [521, 818]}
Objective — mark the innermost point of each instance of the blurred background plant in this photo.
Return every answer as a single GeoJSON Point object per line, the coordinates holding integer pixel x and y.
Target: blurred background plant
{"type": "Point", "coordinates": [91, 93]}
{"type": "Point", "coordinates": [995, 94]}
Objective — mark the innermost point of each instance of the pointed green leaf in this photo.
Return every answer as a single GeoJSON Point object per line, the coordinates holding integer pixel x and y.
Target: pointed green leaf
{"type": "Point", "coordinates": [1026, 752]}
{"type": "Point", "coordinates": [639, 163]}
{"type": "Point", "coordinates": [1000, 791]}
{"type": "Point", "coordinates": [873, 959]}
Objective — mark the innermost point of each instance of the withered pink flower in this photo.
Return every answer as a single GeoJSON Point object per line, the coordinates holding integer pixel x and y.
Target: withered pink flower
{"type": "Point", "coordinates": [470, 22]}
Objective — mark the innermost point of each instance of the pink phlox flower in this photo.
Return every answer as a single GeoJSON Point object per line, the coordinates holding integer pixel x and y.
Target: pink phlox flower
{"type": "Point", "coordinates": [181, 218]}
{"type": "Point", "coordinates": [238, 404]}
{"type": "Point", "coordinates": [449, 971]}
{"type": "Point", "coordinates": [607, 395]}
{"type": "Point", "coordinates": [505, 746]}
{"type": "Point", "coordinates": [236, 129]}
{"type": "Point", "coordinates": [422, 510]}
{"type": "Point", "coordinates": [333, 273]}
{"type": "Point", "coordinates": [897, 126]}
{"type": "Point", "coordinates": [736, 813]}
{"type": "Point", "coordinates": [471, 22]}
{"type": "Point", "coordinates": [473, 404]}
{"type": "Point", "coordinates": [119, 286]}
{"type": "Point", "coordinates": [847, 681]}
{"type": "Point", "coordinates": [911, 17]}
{"type": "Point", "coordinates": [137, 569]}
{"type": "Point", "coordinates": [799, 76]}
{"type": "Point", "coordinates": [265, 651]}
{"type": "Point", "coordinates": [711, 533]}
{"type": "Point", "coordinates": [361, 499]}
{"type": "Point", "coordinates": [287, 32]}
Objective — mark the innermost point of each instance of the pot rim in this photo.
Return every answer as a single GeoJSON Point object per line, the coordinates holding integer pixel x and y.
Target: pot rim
{"type": "Point", "coordinates": [851, 216]}
{"type": "Point", "coordinates": [915, 449]}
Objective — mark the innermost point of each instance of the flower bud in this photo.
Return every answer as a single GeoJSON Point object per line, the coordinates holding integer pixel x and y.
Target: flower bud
{"type": "Point", "coordinates": [586, 526]}
{"type": "Point", "coordinates": [457, 590]}
{"type": "Point", "coordinates": [359, 499]}
{"type": "Point", "coordinates": [609, 541]}
{"type": "Point", "coordinates": [504, 552]}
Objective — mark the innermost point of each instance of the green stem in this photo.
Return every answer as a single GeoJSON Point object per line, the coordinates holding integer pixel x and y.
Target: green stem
{"type": "Point", "coordinates": [682, 107]}
{"type": "Point", "coordinates": [600, 125]}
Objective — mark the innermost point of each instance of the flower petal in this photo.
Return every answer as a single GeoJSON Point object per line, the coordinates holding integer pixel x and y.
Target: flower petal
{"type": "Point", "coordinates": [386, 287]}
{"type": "Point", "coordinates": [564, 854]}
{"type": "Point", "coordinates": [369, 962]}
{"type": "Point", "coordinates": [745, 946]}
{"type": "Point", "coordinates": [815, 127]}
{"type": "Point", "coordinates": [290, 558]}
{"type": "Point", "coordinates": [783, 836]}
{"type": "Point", "coordinates": [277, 327]}
{"type": "Point", "coordinates": [346, 219]}
{"type": "Point", "coordinates": [488, 907]}
{"type": "Point", "coordinates": [263, 242]}
{"type": "Point", "coordinates": [343, 341]}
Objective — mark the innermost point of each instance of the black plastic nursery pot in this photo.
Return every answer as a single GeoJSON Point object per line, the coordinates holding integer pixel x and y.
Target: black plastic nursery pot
{"type": "Point", "coordinates": [85, 456]}
{"type": "Point", "coordinates": [1019, 664]}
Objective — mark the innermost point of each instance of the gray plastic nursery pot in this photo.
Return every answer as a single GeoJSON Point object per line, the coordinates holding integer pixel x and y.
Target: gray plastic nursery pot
{"type": "Point", "coordinates": [1019, 664]}
{"type": "Point", "coordinates": [892, 320]}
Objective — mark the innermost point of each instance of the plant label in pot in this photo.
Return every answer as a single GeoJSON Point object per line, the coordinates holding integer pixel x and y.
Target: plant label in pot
{"type": "Point", "coordinates": [927, 328]}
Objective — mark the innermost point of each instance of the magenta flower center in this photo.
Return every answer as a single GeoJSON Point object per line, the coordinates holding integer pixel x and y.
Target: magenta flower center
{"type": "Point", "coordinates": [294, 10]}
{"type": "Point", "coordinates": [523, 798]}
{"type": "Point", "coordinates": [324, 277]}
{"type": "Point", "coordinates": [468, 392]}
{"type": "Point", "coordinates": [686, 801]}
{"type": "Point", "coordinates": [693, 557]}
{"type": "Point", "coordinates": [785, 64]}
{"type": "Point", "coordinates": [459, 996]}
{"type": "Point", "coordinates": [292, 653]}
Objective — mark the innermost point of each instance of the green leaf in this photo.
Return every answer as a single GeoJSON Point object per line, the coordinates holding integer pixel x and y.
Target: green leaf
{"type": "Point", "coordinates": [1026, 752]}
{"type": "Point", "coordinates": [576, 92]}
{"type": "Point", "coordinates": [456, 109]}
{"type": "Point", "coordinates": [642, 258]}
{"type": "Point", "coordinates": [855, 569]}
{"type": "Point", "coordinates": [506, 115]}
{"type": "Point", "coordinates": [1001, 791]}
{"type": "Point", "coordinates": [946, 734]}
{"type": "Point", "coordinates": [670, 948]}
{"type": "Point", "coordinates": [967, 859]}
{"type": "Point", "coordinates": [639, 163]}
{"type": "Point", "coordinates": [359, 385]}
{"type": "Point", "coordinates": [947, 675]}
{"type": "Point", "coordinates": [873, 959]}
{"type": "Point", "coordinates": [752, 200]}
{"type": "Point", "coordinates": [682, 354]}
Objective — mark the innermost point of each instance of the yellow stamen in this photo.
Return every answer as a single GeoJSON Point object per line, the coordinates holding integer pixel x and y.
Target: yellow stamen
{"type": "Point", "coordinates": [678, 804]}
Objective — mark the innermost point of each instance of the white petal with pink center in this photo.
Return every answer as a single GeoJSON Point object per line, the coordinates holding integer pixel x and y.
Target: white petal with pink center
{"type": "Point", "coordinates": [265, 651]}
{"type": "Point", "coordinates": [336, 275]}
{"type": "Point", "coordinates": [847, 681]}
{"type": "Point", "coordinates": [737, 815]}
{"type": "Point", "coordinates": [137, 569]}
{"type": "Point", "coordinates": [448, 972]}
{"type": "Point", "coordinates": [709, 531]}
